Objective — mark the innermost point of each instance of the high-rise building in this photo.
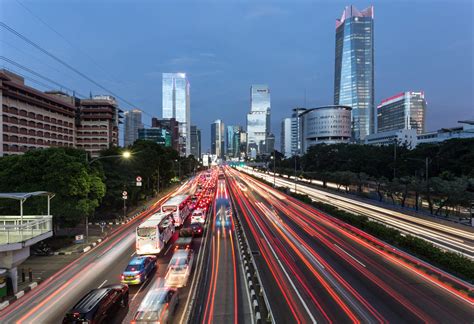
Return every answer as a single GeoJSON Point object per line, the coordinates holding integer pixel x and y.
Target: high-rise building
{"type": "Point", "coordinates": [133, 122]}
{"type": "Point", "coordinates": [233, 141]}
{"type": "Point", "coordinates": [195, 142]}
{"type": "Point", "coordinates": [354, 69]}
{"type": "Point", "coordinates": [243, 143]}
{"type": "Point", "coordinates": [270, 143]}
{"type": "Point", "coordinates": [258, 120]}
{"type": "Point", "coordinates": [217, 138]}
{"type": "Point", "coordinates": [285, 140]}
{"type": "Point", "coordinates": [176, 104]}
{"type": "Point", "coordinates": [172, 126]}
{"type": "Point", "coordinates": [296, 141]}
{"type": "Point", "coordinates": [406, 110]}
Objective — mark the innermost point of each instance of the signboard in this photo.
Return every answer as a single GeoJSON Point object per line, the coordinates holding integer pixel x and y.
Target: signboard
{"type": "Point", "coordinates": [124, 195]}
{"type": "Point", "coordinates": [139, 184]}
{"type": "Point", "coordinates": [139, 179]}
{"type": "Point", "coordinates": [79, 238]}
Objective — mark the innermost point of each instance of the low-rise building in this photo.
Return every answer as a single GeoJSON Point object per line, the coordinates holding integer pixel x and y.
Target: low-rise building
{"type": "Point", "coordinates": [326, 124]}
{"type": "Point", "coordinates": [403, 137]}
{"type": "Point", "coordinates": [466, 130]}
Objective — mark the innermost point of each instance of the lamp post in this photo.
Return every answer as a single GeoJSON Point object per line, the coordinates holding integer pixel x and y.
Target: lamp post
{"type": "Point", "coordinates": [179, 168]}
{"type": "Point", "coordinates": [124, 155]}
{"type": "Point", "coordinates": [295, 171]}
{"type": "Point", "coordinates": [274, 159]}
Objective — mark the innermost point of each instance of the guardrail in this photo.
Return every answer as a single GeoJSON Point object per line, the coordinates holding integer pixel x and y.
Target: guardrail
{"type": "Point", "coordinates": [16, 229]}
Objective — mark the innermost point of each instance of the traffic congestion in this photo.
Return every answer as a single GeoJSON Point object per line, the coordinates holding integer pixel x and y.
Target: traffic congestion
{"type": "Point", "coordinates": [162, 264]}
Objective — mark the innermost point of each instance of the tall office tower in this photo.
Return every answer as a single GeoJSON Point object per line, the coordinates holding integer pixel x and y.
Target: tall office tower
{"type": "Point", "coordinates": [172, 126]}
{"type": "Point", "coordinates": [243, 143]}
{"type": "Point", "coordinates": [296, 140]}
{"type": "Point", "coordinates": [217, 138]}
{"type": "Point", "coordinates": [133, 122]}
{"type": "Point", "coordinates": [354, 69]}
{"type": "Point", "coordinates": [406, 110]}
{"type": "Point", "coordinates": [176, 104]}
{"type": "Point", "coordinates": [258, 120]}
{"type": "Point", "coordinates": [270, 143]}
{"type": "Point", "coordinates": [285, 140]}
{"type": "Point", "coordinates": [195, 142]}
{"type": "Point", "coordinates": [233, 141]}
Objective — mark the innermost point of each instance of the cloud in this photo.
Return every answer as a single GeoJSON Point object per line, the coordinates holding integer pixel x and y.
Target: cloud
{"type": "Point", "coordinates": [266, 11]}
{"type": "Point", "coordinates": [183, 60]}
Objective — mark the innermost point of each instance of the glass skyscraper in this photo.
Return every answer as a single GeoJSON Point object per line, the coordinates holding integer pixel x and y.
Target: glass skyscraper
{"type": "Point", "coordinates": [258, 120]}
{"type": "Point", "coordinates": [233, 141]}
{"type": "Point", "coordinates": [217, 138]}
{"type": "Point", "coordinates": [354, 69]}
{"type": "Point", "coordinates": [176, 104]}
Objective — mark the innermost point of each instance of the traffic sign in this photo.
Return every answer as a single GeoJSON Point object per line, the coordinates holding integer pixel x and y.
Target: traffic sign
{"type": "Point", "coordinates": [139, 183]}
{"type": "Point", "coordinates": [124, 193]}
{"type": "Point", "coordinates": [139, 179]}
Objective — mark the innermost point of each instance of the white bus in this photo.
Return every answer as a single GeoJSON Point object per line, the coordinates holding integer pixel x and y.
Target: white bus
{"type": "Point", "coordinates": [179, 206]}
{"type": "Point", "coordinates": [153, 234]}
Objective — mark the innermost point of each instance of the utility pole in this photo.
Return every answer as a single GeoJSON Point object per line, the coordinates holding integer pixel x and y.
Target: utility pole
{"type": "Point", "coordinates": [295, 171]}
{"type": "Point", "coordinates": [395, 143]}
{"type": "Point", "coordinates": [274, 161]}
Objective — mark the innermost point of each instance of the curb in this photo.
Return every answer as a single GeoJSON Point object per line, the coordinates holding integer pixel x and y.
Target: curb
{"type": "Point", "coordinates": [18, 295]}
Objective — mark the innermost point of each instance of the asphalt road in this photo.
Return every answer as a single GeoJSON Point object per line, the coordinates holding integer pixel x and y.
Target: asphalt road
{"type": "Point", "coordinates": [447, 235]}
{"type": "Point", "coordinates": [314, 269]}
{"type": "Point", "coordinates": [101, 266]}
{"type": "Point", "coordinates": [222, 294]}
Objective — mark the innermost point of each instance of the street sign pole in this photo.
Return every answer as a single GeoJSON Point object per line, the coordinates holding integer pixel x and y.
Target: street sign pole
{"type": "Point", "coordinates": [124, 197]}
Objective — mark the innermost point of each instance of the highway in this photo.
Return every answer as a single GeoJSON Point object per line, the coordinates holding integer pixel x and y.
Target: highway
{"type": "Point", "coordinates": [101, 266]}
{"type": "Point", "coordinates": [316, 269]}
{"type": "Point", "coordinates": [222, 295]}
{"type": "Point", "coordinates": [453, 237]}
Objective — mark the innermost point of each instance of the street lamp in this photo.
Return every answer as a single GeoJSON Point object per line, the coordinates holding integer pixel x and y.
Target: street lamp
{"type": "Point", "coordinates": [124, 155]}
{"type": "Point", "coordinates": [179, 168]}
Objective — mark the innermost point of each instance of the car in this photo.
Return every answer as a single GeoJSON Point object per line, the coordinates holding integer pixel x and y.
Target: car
{"type": "Point", "coordinates": [139, 269]}
{"type": "Point", "coordinates": [198, 216]}
{"type": "Point", "coordinates": [197, 229]}
{"type": "Point", "coordinates": [158, 306]}
{"type": "Point", "coordinates": [99, 305]}
{"type": "Point", "coordinates": [179, 268]}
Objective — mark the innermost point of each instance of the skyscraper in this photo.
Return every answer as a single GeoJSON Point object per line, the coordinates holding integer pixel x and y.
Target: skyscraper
{"type": "Point", "coordinates": [285, 140]}
{"type": "Point", "coordinates": [354, 68]}
{"type": "Point", "coordinates": [406, 110]}
{"type": "Point", "coordinates": [195, 142]}
{"type": "Point", "coordinates": [176, 104]}
{"type": "Point", "coordinates": [233, 141]}
{"type": "Point", "coordinates": [258, 120]}
{"type": "Point", "coordinates": [133, 122]}
{"type": "Point", "coordinates": [217, 138]}
{"type": "Point", "coordinates": [296, 141]}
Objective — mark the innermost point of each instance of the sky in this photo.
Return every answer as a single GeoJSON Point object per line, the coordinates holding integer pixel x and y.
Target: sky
{"type": "Point", "coordinates": [226, 46]}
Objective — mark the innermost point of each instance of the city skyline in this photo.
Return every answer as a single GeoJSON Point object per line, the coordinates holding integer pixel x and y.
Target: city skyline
{"type": "Point", "coordinates": [311, 66]}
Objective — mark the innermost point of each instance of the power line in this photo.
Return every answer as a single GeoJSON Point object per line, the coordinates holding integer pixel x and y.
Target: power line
{"type": "Point", "coordinates": [65, 39]}
{"type": "Point", "coordinates": [24, 68]}
{"type": "Point", "coordinates": [38, 47]}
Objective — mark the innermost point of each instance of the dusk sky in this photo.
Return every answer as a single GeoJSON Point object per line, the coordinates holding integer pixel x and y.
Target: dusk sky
{"type": "Point", "coordinates": [225, 46]}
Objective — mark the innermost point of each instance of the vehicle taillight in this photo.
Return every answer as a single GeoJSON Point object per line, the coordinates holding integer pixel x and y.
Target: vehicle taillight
{"type": "Point", "coordinates": [137, 276]}
{"type": "Point", "coordinates": [122, 276]}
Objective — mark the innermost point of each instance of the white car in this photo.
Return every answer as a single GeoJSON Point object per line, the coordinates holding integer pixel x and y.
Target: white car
{"type": "Point", "coordinates": [198, 216]}
{"type": "Point", "coordinates": [179, 268]}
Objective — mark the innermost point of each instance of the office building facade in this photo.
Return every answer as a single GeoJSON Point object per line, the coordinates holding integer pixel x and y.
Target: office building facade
{"type": "Point", "coordinates": [296, 141]}
{"type": "Point", "coordinates": [155, 134]}
{"type": "Point", "coordinates": [326, 124]}
{"type": "Point", "coordinates": [354, 69]}
{"type": "Point", "coordinates": [195, 142]}
{"type": "Point", "coordinates": [133, 122]}
{"type": "Point", "coordinates": [171, 125]}
{"type": "Point", "coordinates": [285, 139]}
{"type": "Point", "coordinates": [406, 110]}
{"type": "Point", "coordinates": [176, 104]}
{"type": "Point", "coordinates": [217, 139]}
{"type": "Point", "coordinates": [233, 141]}
{"type": "Point", "coordinates": [258, 120]}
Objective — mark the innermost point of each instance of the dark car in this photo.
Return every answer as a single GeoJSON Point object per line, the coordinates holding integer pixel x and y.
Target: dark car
{"type": "Point", "coordinates": [197, 229]}
{"type": "Point", "coordinates": [99, 305]}
{"type": "Point", "coordinates": [139, 269]}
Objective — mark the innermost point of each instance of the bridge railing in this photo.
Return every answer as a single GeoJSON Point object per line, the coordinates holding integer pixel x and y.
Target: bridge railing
{"type": "Point", "coordinates": [14, 229]}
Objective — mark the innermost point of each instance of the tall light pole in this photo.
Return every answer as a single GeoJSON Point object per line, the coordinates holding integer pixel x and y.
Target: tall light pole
{"type": "Point", "coordinates": [274, 160]}
{"type": "Point", "coordinates": [124, 155]}
{"type": "Point", "coordinates": [295, 171]}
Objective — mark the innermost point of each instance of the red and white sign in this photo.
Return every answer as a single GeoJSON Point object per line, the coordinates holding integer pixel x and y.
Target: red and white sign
{"type": "Point", "coordinates": [139, 179]}
{"type": "Point", "coordinates": [124, 193]}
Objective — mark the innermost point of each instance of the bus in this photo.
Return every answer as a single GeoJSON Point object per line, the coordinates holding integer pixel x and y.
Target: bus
{"type": "Point", "coordinates": [153, 234]}
{"type": "Point", "coordinates": [179, 206]}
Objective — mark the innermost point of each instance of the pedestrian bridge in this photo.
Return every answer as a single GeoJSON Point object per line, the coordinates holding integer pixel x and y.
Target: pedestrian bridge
{"type": "Point", "coordinates": [19, 232]}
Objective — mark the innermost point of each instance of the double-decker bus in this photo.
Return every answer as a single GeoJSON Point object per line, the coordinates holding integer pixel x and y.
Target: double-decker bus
{"type": "Point", "coordinates": [153, 234]}
{"type": "Point", "coordinates": [179, 206]}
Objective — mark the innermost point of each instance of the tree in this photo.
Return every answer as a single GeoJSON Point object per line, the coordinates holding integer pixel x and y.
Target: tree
{"type": "Point", "coordinates": [62, 171]}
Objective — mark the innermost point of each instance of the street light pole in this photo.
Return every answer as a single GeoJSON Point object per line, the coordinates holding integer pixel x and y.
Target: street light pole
{"type": "Point", "coordinates": [295, 172]}
{"type": "Point", "coordinates": [274, 161]}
